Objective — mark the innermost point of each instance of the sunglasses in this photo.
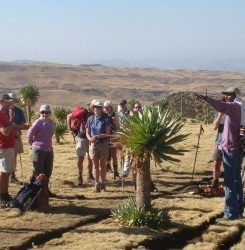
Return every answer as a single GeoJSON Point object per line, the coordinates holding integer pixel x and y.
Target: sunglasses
{"type": "Point", "coordinates": [44, 112]}
{"type": "Point", "coordinates": [96, 107]}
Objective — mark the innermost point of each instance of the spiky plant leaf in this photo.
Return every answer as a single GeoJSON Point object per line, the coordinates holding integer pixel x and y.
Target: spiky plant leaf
{"type": "Point", "coordinates": [153, 132]}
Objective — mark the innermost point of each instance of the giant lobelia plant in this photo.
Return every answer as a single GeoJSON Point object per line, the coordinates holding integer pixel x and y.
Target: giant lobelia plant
{"type": "Point", "coordinates": [150, 135]}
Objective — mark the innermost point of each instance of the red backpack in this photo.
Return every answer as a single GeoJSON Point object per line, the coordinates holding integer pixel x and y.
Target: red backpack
{"type": "Point", "coordinates": [78, 125]}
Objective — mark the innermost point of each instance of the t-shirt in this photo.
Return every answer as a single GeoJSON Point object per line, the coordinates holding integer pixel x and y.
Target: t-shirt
{"type": "Point", "coordinates": [41, 133]}
{"type": "Point", "coordinates": [6, 141]}
{"type": "Point", "coordinates": [231, 134]}
{"type": "Point", "coordinates": [97, 125]}
{"type": "Point", "coordinates": [220, 129]}
{"type": "Point", "coordinates": [19, 115]}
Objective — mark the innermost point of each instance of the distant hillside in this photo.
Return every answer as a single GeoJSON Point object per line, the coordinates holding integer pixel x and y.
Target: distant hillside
{"type": "Point", "coordinates": [68, 85]}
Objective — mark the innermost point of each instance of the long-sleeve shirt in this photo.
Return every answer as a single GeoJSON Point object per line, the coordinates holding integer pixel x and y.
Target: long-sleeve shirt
{"type": "Point", "coordinates": [231, 134]}
{"type": "Point", "coordinates": [40, 134]}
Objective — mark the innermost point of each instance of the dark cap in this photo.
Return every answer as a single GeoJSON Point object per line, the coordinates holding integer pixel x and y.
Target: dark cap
{"type": "Point", "coordinates": [122, 102]}
{"type": "Point", "coordinates": [6, 98]}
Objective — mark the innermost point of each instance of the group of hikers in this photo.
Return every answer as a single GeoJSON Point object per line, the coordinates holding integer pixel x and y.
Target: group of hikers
{"type": "Point", "coordinates": [92, 128]}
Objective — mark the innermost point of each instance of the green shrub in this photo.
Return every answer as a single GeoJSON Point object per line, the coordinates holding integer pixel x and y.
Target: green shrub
{"type": "Point", "coordinates": [129, 215]}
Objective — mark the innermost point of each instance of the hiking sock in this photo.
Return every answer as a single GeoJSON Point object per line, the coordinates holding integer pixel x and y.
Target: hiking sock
{"type": "Point", "coordinates": [97, 187]}
{"type": "Point", "coordinates": [103, 186]}
{"type": "Point", "coordinates": [108, 168]}
{"type": "Point", "coordinates": [116, 174]}
{"type": "Point", "coordinates": [79, 174]}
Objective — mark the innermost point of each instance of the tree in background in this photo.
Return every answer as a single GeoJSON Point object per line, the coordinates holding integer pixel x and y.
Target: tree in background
{"type": "Point", "coordinates": [29, 95]}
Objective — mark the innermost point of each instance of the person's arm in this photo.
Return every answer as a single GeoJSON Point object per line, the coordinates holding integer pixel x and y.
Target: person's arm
{"type": "Point", "coordinates": [216, 123]}
{"type": "Point", "coordinates": [68, 119]}
{"type": "Point", "coordinates": [31, 133]}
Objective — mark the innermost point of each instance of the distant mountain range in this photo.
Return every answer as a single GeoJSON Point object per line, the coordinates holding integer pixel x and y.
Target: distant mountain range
{"type": "Point", "coordinates": [231, 64]}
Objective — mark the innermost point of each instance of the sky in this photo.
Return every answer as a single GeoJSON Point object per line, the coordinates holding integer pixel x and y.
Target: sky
{"type": "Point", "coordinates": [85, 31]}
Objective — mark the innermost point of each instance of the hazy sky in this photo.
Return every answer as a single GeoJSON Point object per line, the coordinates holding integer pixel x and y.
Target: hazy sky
{"type": "Point", "coordinates": [83, 31]}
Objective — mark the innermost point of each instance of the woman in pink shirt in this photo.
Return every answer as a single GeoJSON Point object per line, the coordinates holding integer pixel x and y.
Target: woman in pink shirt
{"type": "Point", "coordinates": [40, 138]}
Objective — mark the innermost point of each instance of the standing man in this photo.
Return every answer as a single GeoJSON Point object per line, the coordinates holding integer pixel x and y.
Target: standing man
{"type": "Point", "coordinates": [7, 147]}
{"type": "Point", "coordinates": [19, 119]}
{"type": "Point", "coordinates": [123, 112]}
{"type": "Point", "coordinates": [82, 143]}
{"type": "Point", "coordinates": [231, 152]}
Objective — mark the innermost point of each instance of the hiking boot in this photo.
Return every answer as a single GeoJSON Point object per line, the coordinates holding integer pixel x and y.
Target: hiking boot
{"type": "Point", "coordinates": [79, 181]}
{"type": "Point", "coordinates": [4, 199]}
{"type": "Point", "coordinates": [14, 180]}
{"type": "Point", "coordinates": [90, 177]}
{"type": "Point", "coordinates": [7, 197]}
{"type": "Point", "coordinates": [108, 168]}
{"type": "Point", "coordinates": [153, 188]}
{"type": "Point", "coordinates": [116, 176]}
{"type": "Point", "coordinates": [102, 187]}
{"type": "Point", "coordinates": [97, 187]}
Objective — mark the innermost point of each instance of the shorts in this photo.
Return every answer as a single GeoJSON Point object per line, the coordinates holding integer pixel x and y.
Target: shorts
{"type": "Point", "coordinates": [99, 150]}
{"type": "Point", "coordinates": [82, 146]}
{"type": "Point", "coordinates": [216, 154]}
{"type": "Point", "coordinates": [19, 146]}
{"type": "Point", "coordinates": [7, 160]}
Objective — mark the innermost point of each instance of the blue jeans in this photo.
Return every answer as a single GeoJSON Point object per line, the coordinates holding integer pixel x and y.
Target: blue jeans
{"type": "Point", "coordinates": [233, 185]}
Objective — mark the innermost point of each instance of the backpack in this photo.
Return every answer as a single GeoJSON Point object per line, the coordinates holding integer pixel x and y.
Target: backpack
{"type": "Point", "coordinates": [29, 196]}
{"type": "Point", "coordinates": [78, 125]}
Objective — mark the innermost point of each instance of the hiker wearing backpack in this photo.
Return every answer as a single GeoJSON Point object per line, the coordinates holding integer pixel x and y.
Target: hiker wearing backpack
{"type": "Point", "coordinates": [76, 122]}
{"type": "Point", "coordinates": [122, 113]}
{"type": "Point", "coordinates": [108, 108]}
{"type": "Point", "coordinates": [230, 147]}
{"type": "Point", "coordinates": [7, 147]}
{"type": "Point", "coordinates": [98, 132]}
{"type": "Point", "coordinates": [39, 136]}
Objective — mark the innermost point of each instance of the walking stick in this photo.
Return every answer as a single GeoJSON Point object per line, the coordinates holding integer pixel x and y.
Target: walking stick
{"type": "Point", "coordinates": [122, 166]}
{"type": "Point", "coordinates": [22, 174]}
{"type": "Point", "coordinates": [199, 135]}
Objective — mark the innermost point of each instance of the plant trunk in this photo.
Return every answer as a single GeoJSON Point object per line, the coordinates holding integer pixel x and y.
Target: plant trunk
{"type": "Point", "coordinates": [143, 196]}
{"type": "Point", "coordinates": [28, 113]}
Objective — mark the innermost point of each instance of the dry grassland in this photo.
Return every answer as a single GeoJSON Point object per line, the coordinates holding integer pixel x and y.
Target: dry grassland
{"type": "Point", "coordinates": [75, 223]}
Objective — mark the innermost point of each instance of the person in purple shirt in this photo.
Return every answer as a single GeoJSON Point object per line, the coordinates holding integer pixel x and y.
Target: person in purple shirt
{"type": "Point", "coordinates": [39, 137]}
{"type": "Point", "coordinates": [231, 152]}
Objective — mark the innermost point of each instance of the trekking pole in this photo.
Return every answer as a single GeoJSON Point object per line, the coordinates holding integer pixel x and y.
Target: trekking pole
{"type": "Point", "coordinates": [199, 135]}
{"type": "Point", "coordinates": [21, 169]}
{"type": "Point", "coordinates": [157, 177]}
{"type": "Point", "coordinates": [122, 166]}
